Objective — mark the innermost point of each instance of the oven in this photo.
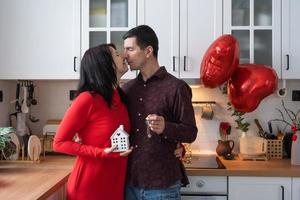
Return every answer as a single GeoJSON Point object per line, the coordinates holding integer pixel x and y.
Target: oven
{"type": "Point", "coordinates": [205, 188]}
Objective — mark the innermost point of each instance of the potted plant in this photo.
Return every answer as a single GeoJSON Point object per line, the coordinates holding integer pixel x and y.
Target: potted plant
{"type": "Point", "coordinates": [7, 148]}
{"type": "Point", "coordinates": [240, 120]}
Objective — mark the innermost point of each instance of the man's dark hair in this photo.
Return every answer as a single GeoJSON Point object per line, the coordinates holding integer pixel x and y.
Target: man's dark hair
{"type": "Point", "coordinates": [145, 36]}
{"type": "Point", "coordinates": [98, 72]}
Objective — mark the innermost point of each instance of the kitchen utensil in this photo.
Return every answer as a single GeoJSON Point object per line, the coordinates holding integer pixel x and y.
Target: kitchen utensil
{"type": "Point", "coordinates": [32, 100]}
{"type": "Point", "coordinates": [261, 132]}
{"type": "Point", "coordinates": [24, 107]}
{"type": "Point", "coordinates": [270, 127]}
{"type": "Point", "coordinates": [34, 148]}
{"type": "Point", "coordinates": [207, 112]}
{"type": "Point", "coordinates": [17, 105]}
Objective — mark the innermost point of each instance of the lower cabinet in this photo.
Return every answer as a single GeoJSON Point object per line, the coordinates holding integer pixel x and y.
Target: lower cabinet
{"type": "Point", "coordinates": [261, 188]}
{"type": "Point", "coordinates": [295, 188]}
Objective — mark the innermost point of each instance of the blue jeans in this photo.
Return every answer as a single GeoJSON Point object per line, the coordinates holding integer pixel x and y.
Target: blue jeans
{"type": "Point", "coordinates": [170, 193]}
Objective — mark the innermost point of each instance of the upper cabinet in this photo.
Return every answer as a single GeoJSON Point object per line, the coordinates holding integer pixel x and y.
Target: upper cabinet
{"type": "Point", "coordinates": [185, 29]}
{"type": "Point", "coordinates": [106, 21]}
{"type": "Point", "coordinates": [39, 39]}
{"type": "Point", "coordinates": [257, 26]}
{"type": "Point", "coordinates": [290, 39]}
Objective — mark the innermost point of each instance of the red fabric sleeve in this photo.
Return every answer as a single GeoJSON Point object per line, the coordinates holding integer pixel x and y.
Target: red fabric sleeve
{"type": "Point", "coordinates": [75, 118]}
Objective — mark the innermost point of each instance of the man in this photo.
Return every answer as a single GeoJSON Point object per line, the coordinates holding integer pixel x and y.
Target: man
{"type": "Point", "coordinates": [161, 115]}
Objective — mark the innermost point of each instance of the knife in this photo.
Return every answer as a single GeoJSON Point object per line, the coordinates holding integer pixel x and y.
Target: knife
{"type": "Point", "coordinates": [270, 127]}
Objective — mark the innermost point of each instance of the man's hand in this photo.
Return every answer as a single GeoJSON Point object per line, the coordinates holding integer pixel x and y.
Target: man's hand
{"type": "Point", "coordinates": [156, 123]}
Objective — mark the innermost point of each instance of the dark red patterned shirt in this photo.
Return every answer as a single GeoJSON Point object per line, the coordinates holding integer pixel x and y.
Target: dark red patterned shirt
{"type": "Point", "coordinates": [152, 164]}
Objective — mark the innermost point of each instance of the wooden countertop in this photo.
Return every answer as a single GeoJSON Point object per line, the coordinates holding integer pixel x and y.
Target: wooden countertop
{"type": "Point", "coordinates": [40, 180]}
{"type": "Point", "coordinates": [238, 167]}
{"type": "Point", "coordinates": [34, 180]}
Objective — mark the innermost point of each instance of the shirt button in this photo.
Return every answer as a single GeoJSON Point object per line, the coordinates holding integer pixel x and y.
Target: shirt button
{"type": "Point", "coordinates": [141, 99]}
{"type": "Point", "coordinates": [136, 146]}
{"type": "Point", "coordinates": [166, 137]}
{"type": "Point", "coordinates": [137, 130]}
{"type": "Point", "coordinates": [139, 114]}
{"type": "Point", "coordinates": [144, 85]}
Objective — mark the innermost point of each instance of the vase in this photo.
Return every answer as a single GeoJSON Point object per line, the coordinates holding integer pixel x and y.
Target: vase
{"type": "Point", "coordinates": [295, 153]}
{"type": "Point", "coordinates": [224, 147]}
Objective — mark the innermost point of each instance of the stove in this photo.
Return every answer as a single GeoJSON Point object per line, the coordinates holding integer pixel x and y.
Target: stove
{"type": "Point", "coordinates": [205, 187]}
{"type": "Point", "coordinates": [204, 162]}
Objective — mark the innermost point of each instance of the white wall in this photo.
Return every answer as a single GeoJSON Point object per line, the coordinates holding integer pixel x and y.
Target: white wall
{"type": "Point", "coordinates": [208, 130]}
{"type": "Point", "coordinates": [53, 100]}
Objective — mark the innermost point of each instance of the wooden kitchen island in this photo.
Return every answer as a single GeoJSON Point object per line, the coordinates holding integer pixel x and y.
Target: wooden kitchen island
{"type": "Point", "coordinates": [28, 181]}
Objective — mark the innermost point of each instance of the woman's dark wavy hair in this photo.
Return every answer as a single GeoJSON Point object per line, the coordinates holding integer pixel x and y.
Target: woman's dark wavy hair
{"type": "Point", "coordinates": [98, 74]}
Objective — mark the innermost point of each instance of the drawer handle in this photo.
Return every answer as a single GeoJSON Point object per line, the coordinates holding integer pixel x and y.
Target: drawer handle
{"type": "Point", "coordinates": [184, 63]}
{"type": "Point", "coordinates": [282, 192]}
{"type": "Point", "coordinates": [287, 62]}
{"type": "Point", "coordinates": [74, 63]}
{"type": "Point", "coordinates": [173, 63]}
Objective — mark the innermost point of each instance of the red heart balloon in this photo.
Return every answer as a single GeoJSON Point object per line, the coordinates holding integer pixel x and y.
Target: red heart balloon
{"type": "Point", "coordinates": [249, 84]}
{"type": "Point", "coordinates": [220, 61]}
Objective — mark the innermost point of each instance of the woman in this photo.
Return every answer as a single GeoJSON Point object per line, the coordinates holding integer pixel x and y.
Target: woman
{"type": "Point", "coordinates": [94, 115]}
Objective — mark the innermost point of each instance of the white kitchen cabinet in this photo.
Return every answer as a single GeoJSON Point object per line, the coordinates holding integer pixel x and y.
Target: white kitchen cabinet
{"type": "Point", "coordinates": [185, 29]}
{"type": "Point", "coordinates": [39, 39]}
{"type": "Point", "coordinates": [295, 188]}
{"type": "Point", "coordinates": [290, 39]}
{"type": "Point", "coordinates": [259, 188]}
{"type": "Point", "coordinates": [106, 21]}
{"type": "Point", "coordinates": [257, 26]}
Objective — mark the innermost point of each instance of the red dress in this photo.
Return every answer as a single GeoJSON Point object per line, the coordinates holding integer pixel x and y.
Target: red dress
{"type": "Point", "coordinates": [96, 174]}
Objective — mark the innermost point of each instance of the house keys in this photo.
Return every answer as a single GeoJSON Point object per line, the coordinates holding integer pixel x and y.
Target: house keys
{"type": "Point", "coordinates": [148, 128]}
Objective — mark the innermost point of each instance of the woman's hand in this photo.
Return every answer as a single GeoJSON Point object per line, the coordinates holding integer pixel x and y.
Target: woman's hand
{"type": "Point", "coordinates": [126, 153]}
{"type": "Point", "coordinates": [122, 154]}
{"type": "Point", "coordinates": [110, 149]}
{"type": "Point", "coordinates": [179, 151]}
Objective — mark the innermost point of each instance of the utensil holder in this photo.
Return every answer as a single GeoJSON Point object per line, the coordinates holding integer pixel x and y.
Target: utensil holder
{"type": "Point", "coordinates": [275, 149]}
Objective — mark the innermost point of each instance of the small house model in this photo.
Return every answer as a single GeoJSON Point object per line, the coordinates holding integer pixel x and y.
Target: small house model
{"type": "Point", "coordinates": [120, 138]}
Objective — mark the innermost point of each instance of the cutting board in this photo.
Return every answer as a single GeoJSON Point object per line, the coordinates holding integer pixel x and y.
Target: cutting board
{"type": "Point", "coordinates": [34, 148]}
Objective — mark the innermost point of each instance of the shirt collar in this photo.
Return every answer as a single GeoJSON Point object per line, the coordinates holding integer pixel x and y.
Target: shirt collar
{"type": "Point", "coordinates": [159, 74]}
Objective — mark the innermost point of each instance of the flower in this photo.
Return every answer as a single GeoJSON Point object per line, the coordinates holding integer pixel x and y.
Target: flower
{"type": "Point", "coordinates": [225, 130]}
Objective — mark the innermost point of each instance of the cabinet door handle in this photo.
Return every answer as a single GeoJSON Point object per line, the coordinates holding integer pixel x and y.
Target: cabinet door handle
{"type": "Point", "coordinates": [282, 192]}
{"type": "Point", "coordinates": [287, 62]}
{"type": "Point", "coordinates": [184, 63]}
{"type": "Point", "coordinates": [173, 63]}
{"type": "Point", "coordinates": [74, 64]}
